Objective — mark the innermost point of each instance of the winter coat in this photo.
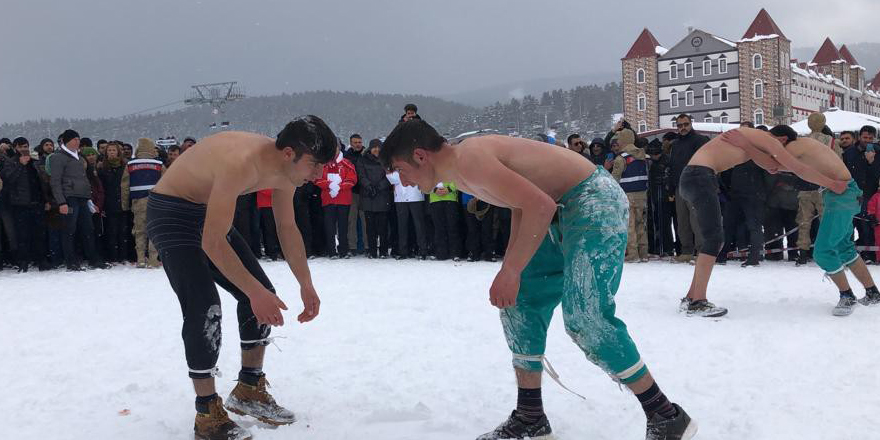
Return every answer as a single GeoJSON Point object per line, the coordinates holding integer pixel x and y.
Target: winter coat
{"type": "Point", "coordinates": [781, 191]}
{"type": "Point", "coordinates": [629, 154]}
{"type": "Point", "coordinates": [746, 180]}
{"type": "Point", "coordinates": [68, 177]}
{"type": "Point", "coordinates": [97, 188]}
{"type": "Point", "coordinates": [111, 179]}
{"type": "Point", "coordinates": [658, 176]}
{"type": "Point", "coordinates": [354, 157]}
{"type": "Point", "coordinates": [683, 150]}
{"type": "Point", "coordinates": [375, 188]}
{"type": "Point", "coordinates": [874, 206]}
{"type": "Point", "coordinates": [403, 193]}
{"type": "Point", "coordinates": [347, 179]}
{"type": "Point", "coordinates": [142, 173]}
{"type": "Point", "coordinates": [23, 183]}
{"type": "Point", "coordinates": [865, 174]}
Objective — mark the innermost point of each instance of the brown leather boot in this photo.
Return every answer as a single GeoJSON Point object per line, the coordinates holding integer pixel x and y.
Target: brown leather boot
{"type": "Point", "coordinates": [216, 425]}
{"type": "Point", "coordinates": [255, 401]}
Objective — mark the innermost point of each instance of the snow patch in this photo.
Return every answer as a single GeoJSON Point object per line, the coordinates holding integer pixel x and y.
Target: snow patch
{"type": "Point", "coordinates": [660, 50]}
{"type": "Point", "coordinates": [724, 40]}
{"type": "Point", "coordinates": [759, 38]}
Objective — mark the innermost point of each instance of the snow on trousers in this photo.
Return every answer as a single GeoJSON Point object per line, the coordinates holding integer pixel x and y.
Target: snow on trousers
{"type": "Point", "coordinates": [809, 205]}
{"type": "Point", "coordinates": [579, 264]}
{"type": "Point", "coordinates": [834, 248]}
{"type": "Point", "coordinates": [175, 227]}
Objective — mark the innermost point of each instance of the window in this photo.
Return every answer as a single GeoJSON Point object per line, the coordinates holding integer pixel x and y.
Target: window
{"type": "Point", "coordinates": [707, 96]}
{"type": "Point", "coordinates": [757, 61]}
{"type": "Point", "coordinates": [673, 71]}
{"type": "Point", "coordinates": [640, 76]}
{"type": "Point", "coordinates": [759, 117]}
{"type": "Point", "coordinates": [725, 119]}
{"type": "Point", "coordinates": [688, 70]}
{"type": "Point", "coordinates": [722, 94]}
{"type": "Point", "coordinates": [643, 126]}
{"type": "Point", "coordinates": [641, 102]}
{"type": "Point", "coordinates": [722, 65]}
{"type": "Point", "coordinates": [759, 89]}
{"type": "Point", "coordinates": [707, 67]}
{"type": "Point", "coordinates": [689, 98]}
{"type": "Point", "coordinates": [708, 119]}
{"type": "Point", "coordinates": [673, 99]}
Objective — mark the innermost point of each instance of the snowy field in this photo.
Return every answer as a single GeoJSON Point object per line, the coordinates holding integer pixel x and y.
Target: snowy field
{"type": "Point", "coordinates": [424, 357]}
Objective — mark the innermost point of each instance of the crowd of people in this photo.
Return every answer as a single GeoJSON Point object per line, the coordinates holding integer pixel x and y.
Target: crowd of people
{"type": "Point", "coordinates": [71, 200]}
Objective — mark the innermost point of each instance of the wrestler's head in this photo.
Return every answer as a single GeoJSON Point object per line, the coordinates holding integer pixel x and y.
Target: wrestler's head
{"type": "Point", "coordinates": [306, 144]}
{"type": "Point", "coordinates": [408, 150]}
{"type": "Point", "coordinates": [784, 134]}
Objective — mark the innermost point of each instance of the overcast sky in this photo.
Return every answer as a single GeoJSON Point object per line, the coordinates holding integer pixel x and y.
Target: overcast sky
{"type": "Point", "coordinates": [113, 57]}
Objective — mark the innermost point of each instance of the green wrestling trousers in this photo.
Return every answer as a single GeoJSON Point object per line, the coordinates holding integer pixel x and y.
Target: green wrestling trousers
{"type": "Point", "coordinates": [834, 247]}
{"type": "Point", "coordinates": [578, 264]}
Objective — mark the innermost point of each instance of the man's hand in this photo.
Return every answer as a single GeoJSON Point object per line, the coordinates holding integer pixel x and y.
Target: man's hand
{"type": "Point", "coordinates": [63, 209]}
{"type": "Point", "coordinates": [267, 308]}
{"type": "Point", "coordinates": [839, 186]}
{"type": "Point", "coordinates": [24, 159]}
{"type": "Point", "coordinates": [311, 304]}
{"type": "Point", "coordinates": [735, 138]}
{"type": "Point", "coordinates": [48, 206]}
{"type": "Point", "coordinates": [441, 191]}
{"type": "Point", "coordinates": [504, 289]}
{"type": "Point", "coordinates": [870, 155]}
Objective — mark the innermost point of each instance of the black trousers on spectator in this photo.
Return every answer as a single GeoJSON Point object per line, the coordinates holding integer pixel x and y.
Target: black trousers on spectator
{"type": "Point", "coordinates": [78, 223]}
{"type": "Point", "coordinates": [866, 230]}
{"type": "Point", "coordinates": [303, 216]}
{"type": "Point", "coordinates": [414, 211]}
{"type": "Point", "coordinates": [377, 233]}
{"type": "Point", "coordinates": [269, 232]}
{"type": "Point", "coordinates": [447, 238]}
{"type": "Point", "coordinates": [175, 227]}
{"type": "Point", "coordinates": [8, 242]}
{"type": "Point", "coordinates": [480, 240]}
{"type": "Point", "coordinates": [336, 224]}
{"type": "Point", "coordinates": [245, 208]}
{"type": "Point", "coordinates": [31, 235]}
{"type": "Point", "coordinates": [778, 222]}
{"type": "Point", "coordinates": [750, 212]}
{"type": "Point", "coordinates": [661, 214]}
{"type": "Point", "coordinates": [115, 236]}
{"type": "Point", "coordinates": [502, 219]}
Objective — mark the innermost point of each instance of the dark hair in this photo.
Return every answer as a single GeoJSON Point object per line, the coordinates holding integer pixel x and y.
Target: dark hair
{"type": "Point", "coordinates": [354, 136]}
{"type": "Point", "coordinates": [641, 142]}
{"type": "Point", "coordinates": [102, 141]}
{"type": "Point", "coordinates": [747, 124]}
{"type": "Point", "coordinates": [68, 136]}
{"type": "Point", "coordinates": [375, 143]}
{"type": "Point", "coordinates": [670, 136]}
{"type": "Point", "coordinates": [762, 128]}
{"type": "Point", "coordinates": [849, 132]}
{"type": "Point", "coordinates": [869, 129]}
{"type": "Point", "coordinates": [406, 137]}
{"type": "Point", "coordinates": [827, 130]}
{"type": "Point", "coordinates": [43, 142]}
{"type": "Point", "coordinates": [189, 138]}
{"type": "Point", "coordinates": [5, 141]}
{"type": "Point", "coordinates": [308, 135]}
{"type": "Point", "coordinates": [784, 130]}
{"type": "Point", "coordinates": [19, 141]}
{"type": "Point", "coordinates": [572, 136]}
{"type": "Point", "coordinates": [85, 142]}
{"type": "Point", "coordinates": [685, 115]}
{"type": "Point", "coordinates": [174, 148]}
{"type": "Point", "coordinates": [412, 107]}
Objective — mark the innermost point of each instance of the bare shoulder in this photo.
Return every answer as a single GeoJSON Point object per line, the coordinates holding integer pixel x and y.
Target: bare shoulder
{"type": "Point", "coordinates": [805, 145]}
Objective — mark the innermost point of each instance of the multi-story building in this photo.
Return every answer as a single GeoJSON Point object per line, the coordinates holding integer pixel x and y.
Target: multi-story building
{"type": "Point", "coordinates": [753, 79]}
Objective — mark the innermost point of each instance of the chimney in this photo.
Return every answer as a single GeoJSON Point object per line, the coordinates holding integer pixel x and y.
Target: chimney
{"type": "Point", "coordinates": [690, 29]}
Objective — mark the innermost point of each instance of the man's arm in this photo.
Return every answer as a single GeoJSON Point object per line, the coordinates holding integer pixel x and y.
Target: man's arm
{"type": "Point", "coordinates": [55, 179]}
{"type": "Point", "coordinates": [770, 146]}
{"type": "Point", "coordinates": [294, 251]}
{"type": "Point", "coordinates": [218, 222]}
{"type": "Point", "coordinates": [618, 167]}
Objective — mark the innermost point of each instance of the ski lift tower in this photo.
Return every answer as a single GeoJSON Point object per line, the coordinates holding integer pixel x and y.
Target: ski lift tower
{"type": "Point", "coordinates": [217, 95]}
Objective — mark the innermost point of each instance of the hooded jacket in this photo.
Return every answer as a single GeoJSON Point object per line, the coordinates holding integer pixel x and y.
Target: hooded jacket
{"type": "Point", "coordinates": [630, 169]}
{"type": "Point", "coordinates": [340, 177]}
{"type": "Point", "coordinates": [375, 188]}
{"type": "Point", "coordinates": [141, 173]}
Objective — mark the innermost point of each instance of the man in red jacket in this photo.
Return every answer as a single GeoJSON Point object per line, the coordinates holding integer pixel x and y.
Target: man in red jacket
{"type": "Point", "coordinates": [336, 183]}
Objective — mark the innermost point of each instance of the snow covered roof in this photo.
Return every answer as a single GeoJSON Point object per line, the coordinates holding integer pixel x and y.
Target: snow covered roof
{"type": "Point", "coordinates": [660, 50]}
{"type": "Point", "coordinates": [759, 38]}
{"type": "Point", "coordinates": [724, 40]}
{"type": "Point", "coordinates": [839, 120]}
{"type": "Point", "coordinates": [714, 127]}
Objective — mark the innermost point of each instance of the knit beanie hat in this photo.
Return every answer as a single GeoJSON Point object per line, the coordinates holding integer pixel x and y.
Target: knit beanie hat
{"type": "Point", "coordinates": [89, 151]}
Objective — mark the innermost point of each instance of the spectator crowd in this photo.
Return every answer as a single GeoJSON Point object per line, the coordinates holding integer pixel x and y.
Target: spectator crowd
{"type": "Point", "coordinates": [67, 201]}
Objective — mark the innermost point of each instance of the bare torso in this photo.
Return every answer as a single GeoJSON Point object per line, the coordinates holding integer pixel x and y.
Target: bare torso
{"type": "Point", "coordinates": [554, 170]}
{"type": "Point", "coordinates": [233, 156]}
{"type": "Point", "coordinates": [719, 155]}
{"type": "Point", "coordinates": [820, 157]}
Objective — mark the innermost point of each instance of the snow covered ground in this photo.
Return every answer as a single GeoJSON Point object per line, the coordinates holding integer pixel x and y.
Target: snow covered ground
{"type": "Point", "coordinates": [413, 350]}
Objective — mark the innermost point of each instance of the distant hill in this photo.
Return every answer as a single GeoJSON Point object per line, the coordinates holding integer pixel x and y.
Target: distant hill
{"type": "Point", "coordinates": [867, 54]}
{"type": "Point", "coordinates": [535, 87]}
{"type": "Point", "coordinates": [369, 114]}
